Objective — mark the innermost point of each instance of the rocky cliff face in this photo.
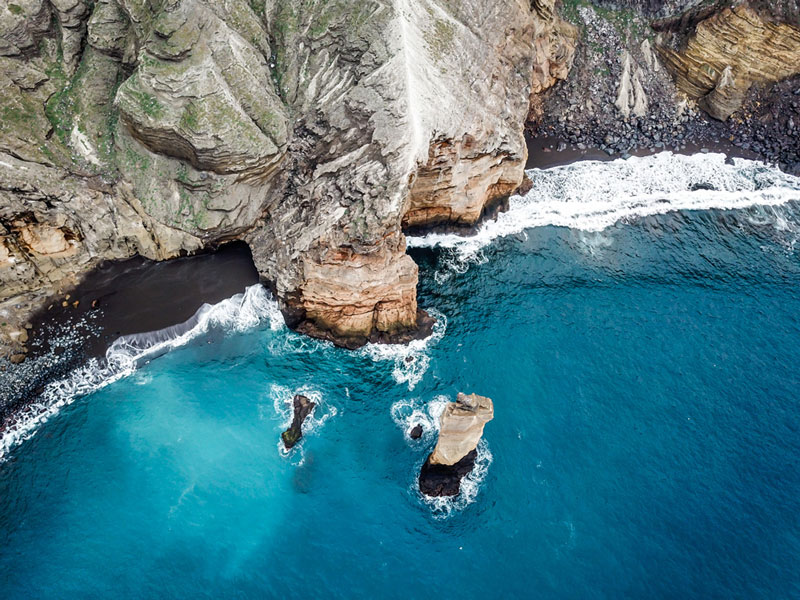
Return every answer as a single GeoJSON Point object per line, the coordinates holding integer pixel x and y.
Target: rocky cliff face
{"type": "Point", "coordinates": [650, 75]}
{"type": "Point", "coordinates": [727, 53]}
{"type": "Point", "coordinates": [461, 429]}
{"type": "Point", "coordinates": [313, 130]}
{"type": "Point", "coordinates": [464, 174]}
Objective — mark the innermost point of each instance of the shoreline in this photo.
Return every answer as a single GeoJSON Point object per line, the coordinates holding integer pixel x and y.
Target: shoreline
{"type": "Point", "coordinates": [119, 298]}
{"type": "Point", "coordinates": [546, 152]}
{"type": "Point", "coordinates": [138, 295]}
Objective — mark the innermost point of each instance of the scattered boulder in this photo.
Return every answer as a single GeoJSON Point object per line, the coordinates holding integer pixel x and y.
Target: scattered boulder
{"type": "Point", "coordinates": [416, 432]}
{"type": "Point", "coordinates": [524, 187]}
{"type": "Point", "coordinates": [461, 428]}
{"type": "Point", "coordinates": [725, 98]}
{"type": "Point", "coordinates": [302, 408]}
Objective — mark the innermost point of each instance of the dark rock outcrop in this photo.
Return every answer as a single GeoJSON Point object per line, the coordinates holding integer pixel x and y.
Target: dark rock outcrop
{"type": "Point", "coordinates": [302, 408]}
{"type": "Point", "coordinates": [445, 480]}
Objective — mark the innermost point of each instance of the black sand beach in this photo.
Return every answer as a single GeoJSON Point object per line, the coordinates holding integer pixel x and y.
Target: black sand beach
{"type": "Point", "coordinates": [120, 298]}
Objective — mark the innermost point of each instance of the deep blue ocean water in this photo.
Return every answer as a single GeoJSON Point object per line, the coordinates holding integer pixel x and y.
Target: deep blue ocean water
{"type": "Point", "coordinates": [645, 444]}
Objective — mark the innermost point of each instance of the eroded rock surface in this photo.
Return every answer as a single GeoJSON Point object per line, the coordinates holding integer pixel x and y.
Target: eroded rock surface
{"type": "Point", "coordinates": [461, 428]}
{"type": "Point", "coordinates": [483, 163]}
{"type": "Point", "coordinates": [730, 51]}
{"type": "Point", "coordinates": [308, 129]}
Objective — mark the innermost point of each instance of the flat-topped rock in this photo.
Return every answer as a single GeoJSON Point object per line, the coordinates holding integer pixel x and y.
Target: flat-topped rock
{"type": "Point", "coordinates": [461, 428]}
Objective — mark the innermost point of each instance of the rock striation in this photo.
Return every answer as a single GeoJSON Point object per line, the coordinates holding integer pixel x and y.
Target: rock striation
{"type": "Point", "coordinates": [302, 408]}
{"type": "Point", "coordinates": [314, 131]}
{"type": "Point", "coordinates": [466, 175]}
{"type": "Point", "coordinates": [461, 428]}
{"type": "Point", "coordinates": [727, 53]}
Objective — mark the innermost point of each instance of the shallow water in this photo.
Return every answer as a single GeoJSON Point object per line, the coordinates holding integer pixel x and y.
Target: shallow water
{"type": "Point", "coordinates": [645, 442]}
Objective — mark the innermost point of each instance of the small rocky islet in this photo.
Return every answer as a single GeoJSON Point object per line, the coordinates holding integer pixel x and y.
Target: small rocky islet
{"type": "Point", "coordinates": [302, 407]}
{"type": "Point", "coordinates": [460, 430]}
{"type": "Point", "coordinates": [461, 427]}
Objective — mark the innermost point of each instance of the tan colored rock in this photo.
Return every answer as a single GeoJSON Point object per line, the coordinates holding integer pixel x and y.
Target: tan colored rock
{"type": "Point", "coordinates": [725, 98]}
{"type": "Point", "coordinates": [554, 43]}
{"type": "Point", "coordinates": [459, 181]}
{"type": "Point", "coordinates": [729, 52]}
{"type": "Point", "coordinates": [465, 175]}
{"type": "Point", "coordinates": [6, 260]}
{"type": "Point", "coordinates": [47, 240]}
{"type": "Point", "coordinates": [461, 428]}
{"type": "Point", "coordinates": [352, 297]}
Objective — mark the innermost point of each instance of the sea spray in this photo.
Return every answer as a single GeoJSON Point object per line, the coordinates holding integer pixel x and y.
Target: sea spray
{"type": "Point", "coordinates": [237, 314]}
{"type": "Point", "coordinates": [411, 360]}
{"type": "Point", "coordinates": [593, 195]}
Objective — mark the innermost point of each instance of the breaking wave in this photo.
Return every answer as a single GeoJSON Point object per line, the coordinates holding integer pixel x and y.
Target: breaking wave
{"type": "Point", "coordinates": [239, 313]}
{"type": "Point", "coordinates": [593, 195]}
{"type": "Point", "coordinates": [407, 414]}
{"type": "Point", "coordinates": [411, 360]}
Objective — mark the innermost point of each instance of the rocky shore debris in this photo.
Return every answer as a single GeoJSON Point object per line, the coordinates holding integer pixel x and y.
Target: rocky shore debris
{"type": "Point", "coordinates": [303, 407]}
{"type": "Point", "coordinates": [416, 432]}
{"type": "Point", "coordinates": [703, 77]}
{"type": "Point", "coordinates": [461, 428]}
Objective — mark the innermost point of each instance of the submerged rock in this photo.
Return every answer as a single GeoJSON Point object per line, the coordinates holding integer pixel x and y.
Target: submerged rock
{"type": "Point", "coordinates": [461, 428]}
{"type": "Point", "coordinates": [302, 408]}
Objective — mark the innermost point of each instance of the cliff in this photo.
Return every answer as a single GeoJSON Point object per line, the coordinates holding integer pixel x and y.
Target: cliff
{"type": "Point", "coordinates": [319, 131]}
{"type": "Point", "coordinates": [726, 53]}
{"type": "Point", "coordinates": [672, 74]}
{"type": "Point", "coordinates": [315, 131]}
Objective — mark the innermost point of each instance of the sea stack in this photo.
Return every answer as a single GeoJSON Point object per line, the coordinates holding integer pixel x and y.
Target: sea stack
{"type": "Point", "coordinates": [302, 408]}
{"type": "Point", "coordinates": [461, 428]}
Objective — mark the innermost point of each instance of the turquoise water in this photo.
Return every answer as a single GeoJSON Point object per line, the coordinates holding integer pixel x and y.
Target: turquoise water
{"type": "Point", "coordinates": [645, 441]}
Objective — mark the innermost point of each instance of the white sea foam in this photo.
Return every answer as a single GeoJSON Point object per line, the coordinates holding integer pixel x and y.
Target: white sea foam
{"type": "Point", "coordinates": [282, 404]}
{"type": "Point", "coordinates": [411, 360]}
{"type": "Point", "coordinates": [239, 313]}
{"type": "Point", "coordinates": [443, 506]}
{"type": "Point", "coordinates": [593, 195]}
{"type": "Point", "coordinates": [407, 414]}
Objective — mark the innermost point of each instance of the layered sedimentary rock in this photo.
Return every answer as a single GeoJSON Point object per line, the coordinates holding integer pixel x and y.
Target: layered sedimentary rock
{"type": "Point", "coordinates": [728, 52]}
{"type": "Point", "coordinates": [461, 428]}
{"type": "Point", "coordinates": [308, 129]}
